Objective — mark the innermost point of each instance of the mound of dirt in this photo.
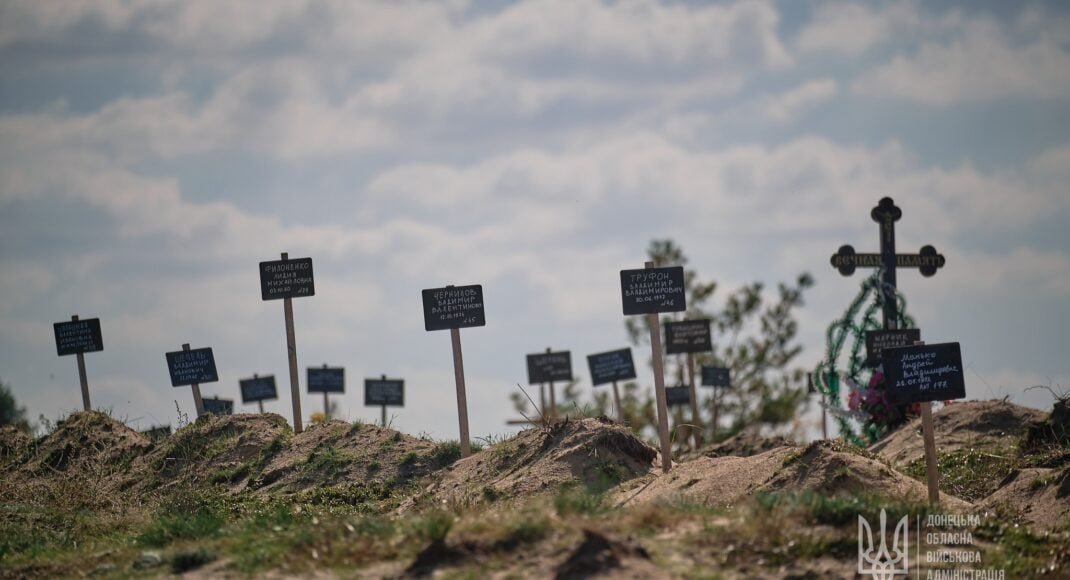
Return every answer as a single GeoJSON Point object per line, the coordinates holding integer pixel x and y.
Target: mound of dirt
{"type": "Point", "coordinates": [216, 449]}
{"type": "Point", "coordinates": [595, 453]}
{"type": "Point", "coordinates": [746, 444]}
{"type": "Point", "coordinates": [1038, 496]}
{"type": "Point", "coordinates": [84, 440]}
{"type": "Point", "coordinates": [1052, 431]}
{"type": "Point", "coordinates": [12, 442]}
{"type": "Point", "coordinates": [719, 481]}
{"type": "Point", "coordinates": [600, 556]}
{"type": "Point", "coordinates": [834, 467]}
{"type": "Point", "coordinates": [828, 467]}
{"type": "Point", "coordinates": [354, 459]}
{"type": "Point", "coordinates": [982, 424]}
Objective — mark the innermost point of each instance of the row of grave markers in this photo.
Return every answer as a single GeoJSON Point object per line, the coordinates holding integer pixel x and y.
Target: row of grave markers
{"type": "Point", "coordinates": [914, 372]}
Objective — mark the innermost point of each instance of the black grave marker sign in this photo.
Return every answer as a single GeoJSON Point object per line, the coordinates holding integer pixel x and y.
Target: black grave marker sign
{"type": "Point", "coordinates": [608, 367]}
{"type": "Point", "coordinates": [878, 340]}
{"type": "Point", "coordinates": [930, 372]}
{"type": "Point", "coordinates": [688, 336]}
{"type": "Point", "coordinates": [384, 392]}
{"type": "Point", "coordinates": [326, 380]}
{"type": "Point", "coordinates": [549, 367]}
{"type": "Point", "coordinates": [716, 377]}
{"type": "Point", "coordinates": [677, 396]}
{"type": "Point", "coordinates": [258, 389]}
{"type": "Point", "coordinates": [453, 307]}
{"type": "Point", "coordinates": [286, 279]}
{"type": "Point", "coordinates": [218, 406]}
{"type": "Point", "coordinates": [188, 367]}
{"type": "Point", "coordinates": [78, 336]}
{"type": "Point", "coordinates": [653, 290]}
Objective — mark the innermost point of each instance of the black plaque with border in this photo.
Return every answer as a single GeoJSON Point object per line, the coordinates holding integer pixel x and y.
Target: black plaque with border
{"type": "Point", "coordinates": [194, 366]}
{"type": "Point", "coordinates": [677, 396]}
{"type": "Point", "coordinates": [549, 367]}
{"type": "Point", "coordinates": [653, 290]}
{"type": "Point", "coordinates": [326, 380]}
{"type": "Point", "coordinates": [218, 406]}
{"type": "Point", "coordinates": [384, 393]}
{"type": "Point", "coordinates": [290, 278]}
{"type": "Point", "coordinates": [78, 336]}
{"type": "Point", "coordinates": [716, 377]}
{"type": "Point", "coordinates": [929, 372]}
{"type": "Point", "coordinates": [258, 389]}
{"type": "Point", "coordinates": [453, 307]}
{"type": "Point", "coordinates": [688, 336]}
{"type": "Point", "coordinates": [878, 340]}
{"type": "Point", "coordinates": [608, 367]}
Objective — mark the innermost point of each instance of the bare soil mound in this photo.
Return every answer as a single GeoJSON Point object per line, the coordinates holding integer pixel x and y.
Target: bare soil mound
{"type": "Point", "coordinates": [982, 424]}
{"type": "Point", "coordinates": [1039, 496]}
{"type": "Point", "coordinates": [1052, 431]}
{"type": "Point", "coordinates": [215, 449]}
{"type": "Point", "coordinates": [715, 481]}
{"type": "Point", "coordinates": [828, 467]}
{"type": "Point", "coordinates": [595, 453]}
{"type": "Point", "coordinates": [835, 467]}
{"type": "Point", "coordinates": [13, 442]}
{"type": "Point", "coordinates": [746, 444]}
{"type": "Point", "coordinates": [601, 556]}
{"type": "Point", "coordinates": [358, 460]}
{"type": "Point", "coordinates": [86, 441]}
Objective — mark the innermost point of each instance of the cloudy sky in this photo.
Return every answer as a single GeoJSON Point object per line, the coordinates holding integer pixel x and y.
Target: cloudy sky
{"type": "Point", "coordinates": [152, 153]}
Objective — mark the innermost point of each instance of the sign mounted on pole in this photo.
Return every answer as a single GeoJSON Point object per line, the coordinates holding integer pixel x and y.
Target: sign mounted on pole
{"type": "Point", "coordinates": [288, 279]}
{"type": "Point", "coordinates": [878, 340]}
{"type": "Point", "coordinates": [716, 377]}
{"type": "Point", "coordinates": [258, 389]}
{"type": "Point", "coordinates": [218, 406]}
{"type": "Point", "coordinates": [678, 396]}
{"type": "Point", "coordinates": [384, 392]}
{"type": "Point", "coordinates": [651, 291]}
{"type": "Point", "coordinates": [78, 337]}
{"type": "Point", "coordinates": [453, 308]}
{"type": "Point", "coordinates": [192, 367]}
{"type": "Point", "coordinates": [547, 367]}
{"type": "Point", "coordinates": [688, 336]}
{"type": "Point", "coordinates": [923, 373]}
{"type": "Point", "coordinates": [326, 379]}
{"type": "Point", "coordinates": [608, 367]}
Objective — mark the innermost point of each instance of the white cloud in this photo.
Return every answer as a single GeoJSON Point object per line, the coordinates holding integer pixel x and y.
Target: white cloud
{"type": "Point", "coordinates": [852, 29]}
{"type": "Point", "coordinates": [982, 63]}
{"type": "Point", "coordinates": [785, 106]}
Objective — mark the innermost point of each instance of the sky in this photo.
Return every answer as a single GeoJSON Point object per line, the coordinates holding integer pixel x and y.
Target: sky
{"type": "Point", "coordinates": [153, 153]}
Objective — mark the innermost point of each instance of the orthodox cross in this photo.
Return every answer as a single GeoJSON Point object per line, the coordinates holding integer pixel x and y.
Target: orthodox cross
{"type": "Point", "coordinates": [928, 261]}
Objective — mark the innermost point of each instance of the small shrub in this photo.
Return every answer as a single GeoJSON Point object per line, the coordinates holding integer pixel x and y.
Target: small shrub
{"type": "Point", "coordinates": [576, 500]}
{"type": "Point", "coordinates": [435, 525]}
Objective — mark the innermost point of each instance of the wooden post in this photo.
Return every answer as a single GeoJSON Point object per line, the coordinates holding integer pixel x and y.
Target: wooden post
{"type": "Point", "coordinates": [383, 418]}
{"type": "Point", "coordinates": [198, 403]}
{"type": "Point", "coordinates": [824, 418]}
{"type": "Point", "coordinates": [716, 411]}
{"type": "Point", "coordinates": [291, 350]}
{"type": "Point", "coordinates": [659, 388]}
{"type": "Point", "coordinates": [261, 403]}
{"type": "Point", "coordinates": [82, 377]}
{"type": "Point", "coordinates": [326, 407]}
{"type": "Point", "coordinates": [616, 403]}
{"type": "Point", "coordinates": [542, 401]}
{"type": "Point", "coordinates": [932, 470]}
{"type": "Point", "coordinates": [553, 399]}
{"type": "Point", "coordinates": [696, 418]}
{"type": "Point", "coordinates": [462, 401]}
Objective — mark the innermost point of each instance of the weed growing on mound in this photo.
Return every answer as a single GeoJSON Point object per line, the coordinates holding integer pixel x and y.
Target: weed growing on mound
{"type": "Point", "coordinates": [836, 510]}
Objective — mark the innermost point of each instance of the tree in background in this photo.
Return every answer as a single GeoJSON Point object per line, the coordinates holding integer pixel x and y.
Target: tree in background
{"type": "Point", "coordinates": [10, 412]}
{"type": "Point", "coordinates": [752, 336]}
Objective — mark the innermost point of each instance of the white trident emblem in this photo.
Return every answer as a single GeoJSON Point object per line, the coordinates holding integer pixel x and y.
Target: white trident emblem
{"type": "Point", "coordinates": [882, 565]}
